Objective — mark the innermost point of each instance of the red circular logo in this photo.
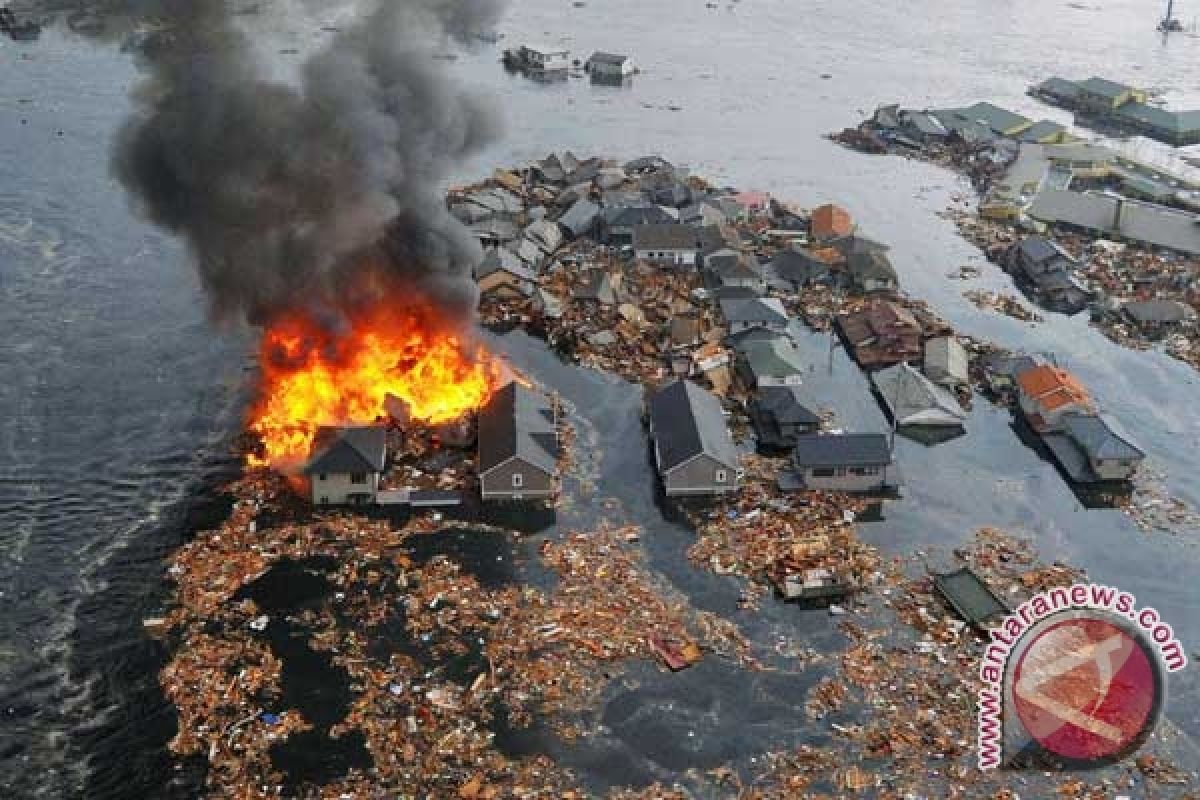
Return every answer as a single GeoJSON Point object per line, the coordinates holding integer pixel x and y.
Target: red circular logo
{"type": "Point", "coordinates": [1086, 688]}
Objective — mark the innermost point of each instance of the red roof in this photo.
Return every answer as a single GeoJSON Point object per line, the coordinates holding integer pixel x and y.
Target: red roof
{"type": "Point", "coordinates": [830, 222]}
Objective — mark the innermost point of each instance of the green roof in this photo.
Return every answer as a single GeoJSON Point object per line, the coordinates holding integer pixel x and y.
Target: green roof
{"type": "Point", "coordinates": [1060, 87]}
{"type": "Point", "coordinates": [997, 118]}
{"type": "Point", "coordinates": [1174, 122]}
{"type": "Point", "coordinates": [1104, 87]}
{"type": "Point", "coordinates": [1040, 130]}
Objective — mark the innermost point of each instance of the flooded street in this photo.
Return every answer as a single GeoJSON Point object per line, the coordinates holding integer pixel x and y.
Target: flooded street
{"type": "Point", "coordinates": [119, 396]}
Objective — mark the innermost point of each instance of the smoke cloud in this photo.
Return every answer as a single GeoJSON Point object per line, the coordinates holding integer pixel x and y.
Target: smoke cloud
{"type": "Point", "coordinates": [299, 195]}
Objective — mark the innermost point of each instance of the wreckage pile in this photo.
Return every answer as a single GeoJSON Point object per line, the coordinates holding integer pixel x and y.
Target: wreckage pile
{"type": "Point", "coordinates": [774, 539]}
{"type": "Point", "coordinates": [1005, 304]}
{"type": "Point", "coordinates": [917, 732]}
{"type": "Point", "coordinates": [420, 662]}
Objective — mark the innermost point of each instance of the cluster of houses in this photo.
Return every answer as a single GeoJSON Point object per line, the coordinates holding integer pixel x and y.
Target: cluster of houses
{"type": "Point", "coordinates": [1091, 446]}
{"type": "Point", "coordinates": [1050, 272]}
{"type": "Point", "coordinates": [550, 62]}
{"type": "Point", "coordinates": [1117, 105]}
{"type": "Point", "coordinates": [1041, 175]}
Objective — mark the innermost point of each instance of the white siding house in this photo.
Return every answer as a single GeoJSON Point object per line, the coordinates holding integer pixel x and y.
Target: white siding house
{"type": "Point", "coordinates": [346, 464]}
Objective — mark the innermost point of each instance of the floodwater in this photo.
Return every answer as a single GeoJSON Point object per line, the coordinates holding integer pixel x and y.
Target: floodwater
{"type": "Point", "coordinates": [117, 395]}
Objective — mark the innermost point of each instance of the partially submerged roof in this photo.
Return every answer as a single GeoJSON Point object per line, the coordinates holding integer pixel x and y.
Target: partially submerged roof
{"type": "Point", "coordinates": [517, 423]}
{"type": "Point", "coordinates": [1040, 250]}
{"type": "Point", "coordinates": [842, 450]}
{"type": "Point", "coordinates": [348, 450]}
{"type": "Point", "coordinates": [1101, 436]}
{"type": "Point", "coordinates": [687, 422]}
{"type": "Point", "coordinates": [600, 57]}
{"type": "Point", "coordinates": [970, 597]}
{"type": "Point", "coordinates": [784, 403]}
{"type": "Point", "coordinates": [915, 400]}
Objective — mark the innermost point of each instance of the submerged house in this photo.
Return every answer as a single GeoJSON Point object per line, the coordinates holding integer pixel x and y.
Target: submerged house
{"type": "Point", "coordinates": [1045, 393]}
{"type": "Point", "coordinates": [693, 451]}
{"type": "Point", "coordinates": [780, 416]}
{"type": "Point", "coordinates": [609, 66]}
{"type": "Point", "coordinates": [914, 400]}
{"type": "Point", "coordinates": [882, 335]}
{"type": "Point", "coordinates": [518, 445]}
{"type": "Point", "coordinates": [946, 362]}
{"type": "Point", "coordinates": [1050, 271]}
{"type": "Point", "coordinates": [846, 462]}
{"type": "Point", "coordinates": [1094, 448]}
{"type": "Point", "coordinates": [345, 465]}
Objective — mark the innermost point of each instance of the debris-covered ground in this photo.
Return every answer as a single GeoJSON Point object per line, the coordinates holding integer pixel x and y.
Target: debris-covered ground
{"type": "Point", "coordinates": [342, 655]}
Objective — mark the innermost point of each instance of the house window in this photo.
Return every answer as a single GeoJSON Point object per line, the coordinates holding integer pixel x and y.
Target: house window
{"type": "Point", "coordinates": [518, 480]}
{"type": "Point", "coordinates": [322, 477]}
{"type": "Point", "coordinates": [358, 477]}
{"type": "Point", "coordinates": [864, 471]}
{"type": "Point", "coordinates": [324, 500]}
{"type": "Point", "coordinates": [721, 476]}
{"type": "Point", "coordinates": [823, 472]}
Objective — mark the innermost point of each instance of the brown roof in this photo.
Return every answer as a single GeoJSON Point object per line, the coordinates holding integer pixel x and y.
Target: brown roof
{"type": "Point", "coordinates": [830, 222]}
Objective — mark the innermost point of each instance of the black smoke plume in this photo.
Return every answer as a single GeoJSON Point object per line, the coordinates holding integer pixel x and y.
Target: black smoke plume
{"type": "Point", "coordinates": [287, 193]}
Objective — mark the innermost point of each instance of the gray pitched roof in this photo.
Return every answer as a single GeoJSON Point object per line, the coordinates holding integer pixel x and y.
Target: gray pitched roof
{"type": "Point", "coordinates": [670, 236]}
{"type": "Point", "coordinates": [687, 421]}
{"type": "Point", "coordinates": [1158, 311]}
{"type": "Point", "coordinates": [517, 423]}
{"type": "Point", "coordinates": [785, 404]}
{"type": "Point", "coordinates": [915, 400]}
{"type": "Point", "coordinates": [772, 357]}
{"type": "Point", "coordinates": [872, 265]}
{"type": "Point", "coordinates": [757, 309]}
{"type": "Point", "coordinates": [608, 58]}
{"type": "Point", "coordinates": [343, 450]}
{"type": "Point", "coordinates": [842, 450]}
{"type": "Point", "coordinates": [1038, 250]}
{"type": "Point", "coordinates": [633, 216]}
{"type": "Point", "coordinates": [580, 217]}
{"type": "Point", "coordinates": [500, 260]}
{"type": "Point", "coordinates": [1101, 436]}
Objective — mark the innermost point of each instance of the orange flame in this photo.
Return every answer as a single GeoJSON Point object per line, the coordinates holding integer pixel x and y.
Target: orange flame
{"type": "Point", "coordinates": [313, 377]}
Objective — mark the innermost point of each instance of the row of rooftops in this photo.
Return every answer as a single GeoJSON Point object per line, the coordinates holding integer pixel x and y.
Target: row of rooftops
{"type": "Point", "coordinates": [1119, 103]}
